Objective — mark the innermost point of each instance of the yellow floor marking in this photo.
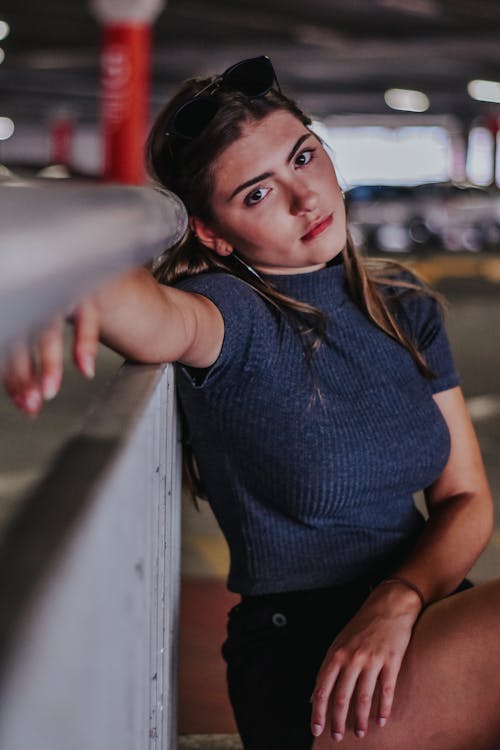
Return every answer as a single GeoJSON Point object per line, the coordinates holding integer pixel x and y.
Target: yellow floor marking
{"type": "Point", "coordinates": [440, 267]}
{"type": "Point", "coordinates": [491, 269]}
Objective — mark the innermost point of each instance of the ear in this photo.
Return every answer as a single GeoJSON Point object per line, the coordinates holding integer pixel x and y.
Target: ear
{"type": "Point", "coordinates": [209, 237]}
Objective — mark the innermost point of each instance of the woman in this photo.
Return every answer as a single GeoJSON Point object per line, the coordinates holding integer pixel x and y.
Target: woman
{"type": "Point", "coordinates": [319, 394]}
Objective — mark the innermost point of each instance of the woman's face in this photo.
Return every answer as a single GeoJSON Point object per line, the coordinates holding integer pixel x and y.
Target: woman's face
{"type": "Point", "coordinates": [276, 198]}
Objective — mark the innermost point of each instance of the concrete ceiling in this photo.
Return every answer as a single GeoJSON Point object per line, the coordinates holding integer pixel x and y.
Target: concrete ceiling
{"type": "Point", "coordinates": [335, 56]}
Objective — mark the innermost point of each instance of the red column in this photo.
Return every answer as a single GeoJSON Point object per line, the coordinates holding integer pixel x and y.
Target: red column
{"type": "Point", "coordinates": [125, 83]}
{"type": "Point", "coordinates": [125, 98]}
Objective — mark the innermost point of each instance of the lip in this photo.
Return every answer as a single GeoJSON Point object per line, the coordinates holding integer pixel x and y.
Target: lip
{"type": "Point", "coordinates": [317, 229]}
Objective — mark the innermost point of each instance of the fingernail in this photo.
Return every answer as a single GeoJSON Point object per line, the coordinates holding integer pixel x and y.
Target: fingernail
{"type": "Point", "coordinates": [33, 400]}
{"type": "Point", "coordinates": [359, 733]}
{"type": "Point", "coordinates": [381, 721]}
{"type": "Point", "coordinates": [337, 736]}
{"type": "Point", "coordinates": [50, 386]}
{"type": "Point", "coordinates": [316, 729]}
{"type": "Point", "coordinates": [88, 365]}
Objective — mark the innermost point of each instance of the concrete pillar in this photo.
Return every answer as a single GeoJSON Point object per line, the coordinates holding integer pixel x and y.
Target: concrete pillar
{"type": "Point", "coordinates": [493, 125]}
{"type": "Point", "coordinates": [125, 64]}
{"type": "Point", "coordinates": [459, 144]}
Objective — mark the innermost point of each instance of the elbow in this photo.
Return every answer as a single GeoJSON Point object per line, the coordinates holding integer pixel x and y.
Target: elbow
{"type": "Point", "coordinates": [488, 524]}
{"type": "Point", "coordinates": [481, 518]}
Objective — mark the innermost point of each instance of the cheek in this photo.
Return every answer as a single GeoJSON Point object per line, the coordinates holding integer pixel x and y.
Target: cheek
{"type": "Point", "coordinates": [255, 227]}
{"type": "Point", "coordinates": [242, 232]}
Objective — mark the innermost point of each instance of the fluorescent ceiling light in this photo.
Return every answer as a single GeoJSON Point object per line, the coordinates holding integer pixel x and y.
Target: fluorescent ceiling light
{"type": "Point", "coordinates": [4, 29]}
{"type": "Point", "coordinates": [416, 7]}
{"type": "Point", "coordinates": [406, 100]}
{"type": "Point", "coordinates": [6, 128]}
{"type": "Point", "coordinates": [484, 91]}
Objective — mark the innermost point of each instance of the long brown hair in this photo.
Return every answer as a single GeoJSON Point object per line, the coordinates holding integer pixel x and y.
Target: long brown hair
{"type": "Point", "coordinates": [186, 168]}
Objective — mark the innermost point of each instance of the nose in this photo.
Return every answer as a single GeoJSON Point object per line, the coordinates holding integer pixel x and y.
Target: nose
{"type": "Point", "coordinates": [304, 200]}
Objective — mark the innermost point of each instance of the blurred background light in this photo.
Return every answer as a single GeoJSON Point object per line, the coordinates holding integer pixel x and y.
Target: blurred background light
{"type": "Point", "coordinates": [406, 100]}
{"type": "Point", "coordinates": [4, 29]}
{"type": "Point", "coordinates": [417, 7]}
{"type": "Point", "coordinates": [2, 55]}
{"type": "Point", "coordinates": [6, 128]}
{"type": "Point", "coordinates": [388, 155]}
{"type": "Point", "coordinates": [479, 166]}
{"type": "Point", "coordinates": [484, 91]}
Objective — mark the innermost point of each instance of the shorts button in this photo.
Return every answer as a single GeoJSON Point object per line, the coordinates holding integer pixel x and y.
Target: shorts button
{"type": "Point", "coordinates": [279, 619]}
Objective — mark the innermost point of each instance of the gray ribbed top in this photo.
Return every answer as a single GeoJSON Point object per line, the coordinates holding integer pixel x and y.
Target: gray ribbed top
{"type": "Point", "coordinates": [308, 491]}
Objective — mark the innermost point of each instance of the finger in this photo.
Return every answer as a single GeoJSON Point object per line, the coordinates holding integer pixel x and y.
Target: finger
{"type": "Point", "coordinates": [86, 338]}
{"type": "Point", "coordinates": [20, 379]}
{"type": "Point", "coordinates": [388, 677]}
{"type": "Point", "coordinates": [341, 699]}
{"type": "Point", "coordinates": [51, 359]}
{"type": "Point", "coordinates": [321, 695]}
{"type": "Point", "coordinates": [365, 689]}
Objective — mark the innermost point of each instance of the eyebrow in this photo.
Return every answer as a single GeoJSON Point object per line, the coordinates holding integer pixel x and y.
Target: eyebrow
{"type": "Point", "coordinates": [265, 175]}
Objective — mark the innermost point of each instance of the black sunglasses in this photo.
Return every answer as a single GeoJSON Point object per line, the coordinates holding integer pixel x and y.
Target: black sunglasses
{"type": "Point", "coordinates": [253, 78]}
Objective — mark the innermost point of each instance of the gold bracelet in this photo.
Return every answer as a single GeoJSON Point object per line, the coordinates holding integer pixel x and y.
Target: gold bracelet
{"type": "Point", "coordinates": [409, 584]}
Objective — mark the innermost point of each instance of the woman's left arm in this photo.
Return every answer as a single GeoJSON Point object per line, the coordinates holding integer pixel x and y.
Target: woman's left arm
{"type": "Point", "coordinates": [369, 651]}
{"type": "Point", "coordinates": [460, 509]}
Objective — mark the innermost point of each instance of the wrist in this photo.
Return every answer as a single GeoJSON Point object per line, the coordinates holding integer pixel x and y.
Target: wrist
{"type": "Point", "coordinates": [402, 581]}
{"type": "Point", "coordinates": [400, 597]}
{"type": "Point", "coordinates": [406, 591]}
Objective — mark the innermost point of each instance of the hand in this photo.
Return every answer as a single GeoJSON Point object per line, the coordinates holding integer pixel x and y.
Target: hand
{"type": "Point", "coordinates": [32, 371]}
{"type": "Point", "coordinates": [366, 654]}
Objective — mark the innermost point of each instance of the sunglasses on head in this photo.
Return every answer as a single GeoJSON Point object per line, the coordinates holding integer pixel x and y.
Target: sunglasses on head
{"type": "Point", "coordinates": [253, 78]}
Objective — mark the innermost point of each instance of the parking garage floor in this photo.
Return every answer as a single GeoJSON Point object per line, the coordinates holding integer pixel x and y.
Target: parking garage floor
{"type": "Point", "coordinates": [472, 285]}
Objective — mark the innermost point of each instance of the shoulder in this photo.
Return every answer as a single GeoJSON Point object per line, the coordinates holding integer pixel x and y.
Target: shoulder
{"type": "Point", "coordinates": [223, 289]}
{"type": "Point", "coordinates": [233, 296]}
{"type": "Point", "coordinates": [407, 292]}
{"type": "Point", "coordinates": [417, 307]}
{"type": "Point", "coordinates": [248, 321]}
{"type": "Point", "coordinates": [397, 281]}
{"type": "Point", "coordinates": [420, 311]}
{"type": "Point", "coordinates": [211, 280]}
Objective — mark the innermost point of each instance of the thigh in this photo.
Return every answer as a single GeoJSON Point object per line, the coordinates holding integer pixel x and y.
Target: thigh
{"type": "Point", "coordinates": [448, 691]}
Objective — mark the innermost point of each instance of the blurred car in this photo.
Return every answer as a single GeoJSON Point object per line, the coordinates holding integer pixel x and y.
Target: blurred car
{"type": "Point", "coordinates": [465, 217]}
{"type": "Point", "coordinates": [423, 218]}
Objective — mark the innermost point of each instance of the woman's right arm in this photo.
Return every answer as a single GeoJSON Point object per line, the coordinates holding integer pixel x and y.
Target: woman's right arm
{"type": "Point", "coordinates": [150, 322]}
{"type": "Point", "coordinates": [134, 315]}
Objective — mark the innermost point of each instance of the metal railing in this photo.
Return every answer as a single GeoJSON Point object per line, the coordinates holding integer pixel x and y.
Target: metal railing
{"type": "Point", "coordinates": [59, 242]}
{"type": "Point", "coordinates": [89, 567]}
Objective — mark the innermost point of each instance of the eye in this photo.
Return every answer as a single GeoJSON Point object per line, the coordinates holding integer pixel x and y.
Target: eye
{"type": "Point", "coordinates": [256, 196]}
{"type": "Point", "coordinates": [304, 157]}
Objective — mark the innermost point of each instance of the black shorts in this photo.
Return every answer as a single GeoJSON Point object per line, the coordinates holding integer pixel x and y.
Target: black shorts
{"type": "Point", "coordinates": [274, 648]}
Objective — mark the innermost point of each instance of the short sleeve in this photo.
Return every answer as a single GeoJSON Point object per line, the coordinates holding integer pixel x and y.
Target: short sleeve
{"type": "Point", "coordinates": [424, 320]}
{"type": "Point", "coordinates": [246, 317]}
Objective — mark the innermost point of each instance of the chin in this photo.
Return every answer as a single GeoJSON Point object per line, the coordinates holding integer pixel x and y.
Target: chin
{"type": "Point", "coordinates": [327, 255]}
